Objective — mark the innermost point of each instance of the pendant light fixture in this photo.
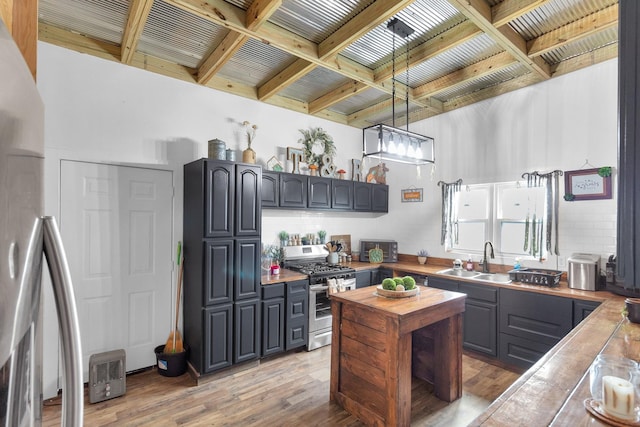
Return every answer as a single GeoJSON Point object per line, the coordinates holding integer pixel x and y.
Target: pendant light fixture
{"type": "Point", "coordinates": [390, 143]}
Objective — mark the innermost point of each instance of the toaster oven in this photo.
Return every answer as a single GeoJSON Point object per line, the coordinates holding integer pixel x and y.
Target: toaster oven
{"type": "Point", "coordinates": [389, 249]}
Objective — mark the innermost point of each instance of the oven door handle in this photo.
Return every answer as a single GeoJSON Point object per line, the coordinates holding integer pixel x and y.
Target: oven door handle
{"type": "Point", "coordinates": [316, 288]}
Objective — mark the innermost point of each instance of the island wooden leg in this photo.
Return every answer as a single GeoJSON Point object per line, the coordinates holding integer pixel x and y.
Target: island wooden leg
{"type": "Point", "coordinates": [398, 376]}
{"type": "Point", "coordinates": [336, 313]}
{"type": "Point", "coordinates": [447, 381]}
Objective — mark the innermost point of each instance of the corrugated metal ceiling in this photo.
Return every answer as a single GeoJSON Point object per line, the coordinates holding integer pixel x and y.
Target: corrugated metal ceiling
{"type": "Point", "coordinates": [187, 32]}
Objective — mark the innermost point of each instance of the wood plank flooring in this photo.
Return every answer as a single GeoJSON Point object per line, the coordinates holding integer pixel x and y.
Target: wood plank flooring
{"type": "Point", "coordinates": [287, 390]}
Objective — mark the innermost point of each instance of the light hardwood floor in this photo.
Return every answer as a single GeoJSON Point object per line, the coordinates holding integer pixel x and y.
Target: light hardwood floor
{"type": "Point", "coordinates": [288, 390]}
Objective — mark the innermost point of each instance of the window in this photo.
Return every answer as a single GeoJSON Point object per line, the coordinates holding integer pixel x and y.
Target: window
{"type": "Point", "coordinates": [498, 212]}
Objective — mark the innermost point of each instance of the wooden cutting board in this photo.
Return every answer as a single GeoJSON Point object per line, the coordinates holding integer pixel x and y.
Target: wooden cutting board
{"type": "Point", "coordinates": [345, 240]}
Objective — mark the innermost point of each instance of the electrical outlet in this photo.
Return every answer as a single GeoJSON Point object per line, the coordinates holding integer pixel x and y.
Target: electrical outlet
{"type": "Point", "coordinates": [562, 262]}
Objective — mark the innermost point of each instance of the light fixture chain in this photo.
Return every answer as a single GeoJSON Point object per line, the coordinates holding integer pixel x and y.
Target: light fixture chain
{"type": "Point", "coordinates": [393, 79]}
{"type": "Point", "coordinates": [407, 83]}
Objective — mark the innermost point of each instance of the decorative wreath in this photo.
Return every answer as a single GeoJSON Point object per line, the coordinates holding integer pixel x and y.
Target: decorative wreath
{"type": "Point", "coordinates": [316, 137]}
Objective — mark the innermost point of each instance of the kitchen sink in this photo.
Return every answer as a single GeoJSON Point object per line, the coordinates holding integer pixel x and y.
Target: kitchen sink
{"type": "Point", "coordinates": [493, 278]}
{"type": "Point", "coordinates": [476, 275]}
{"type": "Point", "coordinates": [458, 273]}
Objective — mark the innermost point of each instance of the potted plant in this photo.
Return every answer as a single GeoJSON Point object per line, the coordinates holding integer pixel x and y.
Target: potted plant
{"type": "Point", "coordinates": [422, 256]}
{"type": "Point", "coordinates": [284, 238]}
{"type": "Point", "coordinates": [321, 235]}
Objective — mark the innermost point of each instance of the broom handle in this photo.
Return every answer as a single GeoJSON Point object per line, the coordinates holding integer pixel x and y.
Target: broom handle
{"type": "Point", "coordinates": [178, 300]}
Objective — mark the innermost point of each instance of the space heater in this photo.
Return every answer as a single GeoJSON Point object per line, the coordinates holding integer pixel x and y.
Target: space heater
{"type": "Point", "coordinates": [107, 378]}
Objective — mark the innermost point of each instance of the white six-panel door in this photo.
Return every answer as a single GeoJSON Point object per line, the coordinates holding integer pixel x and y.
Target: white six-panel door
{"type": "Point", "coordinates": [116, 225]}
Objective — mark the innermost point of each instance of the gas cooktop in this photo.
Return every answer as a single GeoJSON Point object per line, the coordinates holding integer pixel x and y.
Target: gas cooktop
{"type": "Point", "coordinates": [314, 268]}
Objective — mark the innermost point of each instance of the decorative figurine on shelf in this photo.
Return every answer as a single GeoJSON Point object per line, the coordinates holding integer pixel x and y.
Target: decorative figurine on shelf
{"type": "Point", "coordinates": [356, 169]}
{"type": "Point", "coordinates": [341, 173]}
{"type": "Point", "coordinates": [313, 170]}
{"type": "Point", "coordinates": [377, 174]}
{"type": "Point", "coordinates": [249, 155]}
{"type": "Point", "coordinates": [295, 155]}
{"type": "Point", "coordinates": [328, 169]}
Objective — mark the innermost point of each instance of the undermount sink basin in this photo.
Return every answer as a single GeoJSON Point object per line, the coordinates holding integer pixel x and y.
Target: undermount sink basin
{"type": "Point", "coordinates": [493, 278]}
{"type": "Point", "coordinates": [476, 275]}
{"type": "Point", "coordinates": [458, 273]}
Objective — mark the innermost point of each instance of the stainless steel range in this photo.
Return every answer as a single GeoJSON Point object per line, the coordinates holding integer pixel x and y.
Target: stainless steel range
{"type": "Point", "coordinates": [324, 278]}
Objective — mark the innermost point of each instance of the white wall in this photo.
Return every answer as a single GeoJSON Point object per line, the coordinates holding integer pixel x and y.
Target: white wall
{"type": "Point", "coordinates": [99, 110]}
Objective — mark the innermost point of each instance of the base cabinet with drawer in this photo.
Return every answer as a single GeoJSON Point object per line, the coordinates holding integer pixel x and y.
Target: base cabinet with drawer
{"type": "Point", "coordinates": [480, 332]}
{"type": "Point", "coordinates": [531, 324]}
{"type": "Point", "coordinates": [285, 320]}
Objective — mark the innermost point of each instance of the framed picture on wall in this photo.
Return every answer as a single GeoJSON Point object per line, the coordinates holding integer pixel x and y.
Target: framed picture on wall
{"type": "Point", "coordinates": [588, 184]}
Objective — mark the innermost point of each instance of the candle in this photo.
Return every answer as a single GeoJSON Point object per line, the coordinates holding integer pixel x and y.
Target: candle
{"type": "Point", "coordinates": [618, 397]}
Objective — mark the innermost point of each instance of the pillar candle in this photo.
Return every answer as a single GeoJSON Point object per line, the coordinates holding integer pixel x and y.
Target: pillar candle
{"type": "Point", "coordinates": [618, 397]}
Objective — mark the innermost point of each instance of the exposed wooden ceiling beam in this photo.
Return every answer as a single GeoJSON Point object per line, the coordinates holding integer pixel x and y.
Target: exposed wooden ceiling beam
{"type": "Point", "coordinates": [472, 72]}
{"type": "Point", "coordinates": [372, 16]}
{"type": "Point", "coordinates": [509, 10]}
{"type": "Point", "coordinates": [429, 49]}
{"type": "Point", "coordinates": [578, 62]}
{"type": "Point", "coordinates": [284, 78]}
{"type": "Point", "coordinates": [479, 12]}
{"type": "Point", "coordinates": [138, 14]}
{"type": "Point", "coordinates": [594, 23]}
{"type": "Point", "coordinates": [333, 97]}
{"type": "Point", "coordinates": [221, 54]}
{"type": "Point", "coordinates": [259, 12]}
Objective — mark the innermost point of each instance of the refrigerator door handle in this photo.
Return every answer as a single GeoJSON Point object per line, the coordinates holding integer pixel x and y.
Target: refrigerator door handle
{"type": "Point", "coordinates": [72, 396]}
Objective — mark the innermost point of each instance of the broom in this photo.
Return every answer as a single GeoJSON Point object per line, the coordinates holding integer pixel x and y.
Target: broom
{"type": "Point", "coordinates": [174, 342]}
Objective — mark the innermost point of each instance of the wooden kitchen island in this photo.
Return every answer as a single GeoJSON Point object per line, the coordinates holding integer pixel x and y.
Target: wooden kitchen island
{"type": "Point", "coordinates": [378, 343]}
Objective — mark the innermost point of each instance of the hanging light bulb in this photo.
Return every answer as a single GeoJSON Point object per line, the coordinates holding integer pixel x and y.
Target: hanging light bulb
{"type": "Point", "coordinates": [411, 152]}
{"type": "Point", "coordinates": [418, 152]}
{"type": "Point", "coordinates": [402, 148]}
{"type": "Point", "coordinates": [391, 147]}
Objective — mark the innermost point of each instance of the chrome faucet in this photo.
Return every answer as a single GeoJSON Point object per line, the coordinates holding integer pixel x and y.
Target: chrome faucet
{"type": "Point", "coordinates": [485, 264]}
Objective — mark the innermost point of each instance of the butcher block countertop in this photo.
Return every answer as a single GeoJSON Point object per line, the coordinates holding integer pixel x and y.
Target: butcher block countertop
{"type": "Point", "coordinates": [552, 392]}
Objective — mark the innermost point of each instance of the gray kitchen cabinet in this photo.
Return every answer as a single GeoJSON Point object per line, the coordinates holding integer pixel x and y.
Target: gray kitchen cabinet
{"type": "Point", "coordinates": [341, 194]}
{"type": "Point", "coordinates": [247, 332]}
{"type": "Point", "coordinates": [442, 283]}
{"type": "Point", "coordinates": [297, 314]}
{"type": "Point", "coordinates": [293, 191]}
{"type": "Point", "coordinates": [319, 193]}
{"type": "Point", "coordinates": [362, 196]}
{"type": "Point", "coordinates": [221, 245]}
{"type": "Point", "coordinates": [530, 324]}
{"type": "Point", "coordinates": [216, 349]}
{"type": "Point", "coordinates": [379, 198]}
{"type": "Point", "coordinates": [480, 318]}
{"type": "Point", "coordinates": [581, 309]}
{"type": "Point", "coordinates": [480, 323]}
{"type": "Point", "coordinates": [364, 278]}
{"type": "Point", "coordinates": [273, 318]}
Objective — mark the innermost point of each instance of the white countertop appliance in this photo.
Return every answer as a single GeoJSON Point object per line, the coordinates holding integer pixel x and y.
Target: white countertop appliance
{"type": "Point", "coordinates": [584, 272]}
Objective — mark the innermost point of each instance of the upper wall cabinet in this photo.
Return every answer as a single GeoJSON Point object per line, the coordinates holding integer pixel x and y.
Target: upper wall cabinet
{"type": "Point", "coordinates": [293, 191]}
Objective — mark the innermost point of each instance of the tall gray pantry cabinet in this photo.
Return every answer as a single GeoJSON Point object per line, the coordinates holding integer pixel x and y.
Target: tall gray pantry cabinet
{"type": "Point", "coordinates": [221, 234]}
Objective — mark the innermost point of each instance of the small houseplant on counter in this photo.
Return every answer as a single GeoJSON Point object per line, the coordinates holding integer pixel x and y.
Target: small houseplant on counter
{"type": "Point", "coordinates": [284, 238]}
{"type": "Point", "coordinates": [422, 256]}
{"type": "Point", "coordinates": [322, 236]}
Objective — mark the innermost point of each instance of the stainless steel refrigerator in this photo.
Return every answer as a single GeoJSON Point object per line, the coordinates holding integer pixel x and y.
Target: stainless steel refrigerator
{"type": "Point", "coordinates": [26, 238]}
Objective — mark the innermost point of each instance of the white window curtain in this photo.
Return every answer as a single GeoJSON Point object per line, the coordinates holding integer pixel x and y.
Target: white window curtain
{"type": "Point", "coordinates": [449, 231]}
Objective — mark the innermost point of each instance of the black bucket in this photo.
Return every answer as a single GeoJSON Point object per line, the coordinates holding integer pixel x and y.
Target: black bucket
{"type": "Point", "coordinates": [171, 364]}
